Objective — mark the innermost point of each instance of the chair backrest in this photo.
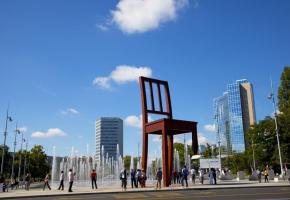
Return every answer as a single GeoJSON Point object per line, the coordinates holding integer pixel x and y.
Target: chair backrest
{"type": "Point", "coordinates": [167, 111]}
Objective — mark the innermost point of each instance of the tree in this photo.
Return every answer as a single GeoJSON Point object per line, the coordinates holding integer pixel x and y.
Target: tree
{"type": "Point", "coordinates": [7, 160]}
{"type": "Point", "coordinates": [38, 164]}
{"type": "Point", "coordinates": [284, 91]}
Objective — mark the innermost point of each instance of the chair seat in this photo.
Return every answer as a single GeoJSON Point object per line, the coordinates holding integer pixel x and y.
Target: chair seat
{"type": "Point", "coordinates": [172, 126]}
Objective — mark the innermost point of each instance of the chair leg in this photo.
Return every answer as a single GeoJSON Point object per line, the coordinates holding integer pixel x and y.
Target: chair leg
{"type": "Point", "coordinates": [144, 151]}
{"type": "Point", "coordinates": [194, 140]}
{"type": "Point", "coordinates": [165, 157]}
{"type": "Point", "coordinates": [170, 158]}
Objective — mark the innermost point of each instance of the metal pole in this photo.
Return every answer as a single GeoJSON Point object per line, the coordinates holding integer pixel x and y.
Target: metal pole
{"type": "Point", "coordinates": [4, 144]}
{"type": "Point", "coordinates": [276, 126]}
{"type": "Point", "coordinates": [20, 157]}
{"type": "Point", "coordinates": [13, 158]}
{"type": "Point", "coordinates": [24, 171]}
{"type": "Point", "coordinates": [218, 111]}
{"type": "Point", "coordinates": [254, 161]}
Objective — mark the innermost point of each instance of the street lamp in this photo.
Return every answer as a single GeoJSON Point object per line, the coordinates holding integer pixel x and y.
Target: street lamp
{"type": "Point", "coordinates": [24, 171]}
{"type": "Point", "coordinates": [271, 97]}
{"type": "Point", "coordinates": [12, 168]}
{"type": "Point", "coordinates": [8, 118]}
{"type": "Point", "coordinates": [20, 156]}
{"type": "Point", "coordinates": [218, 113]}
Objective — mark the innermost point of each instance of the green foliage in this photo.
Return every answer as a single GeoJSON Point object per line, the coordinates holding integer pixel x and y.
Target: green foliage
{"type": "Point", "coordinates": [7, 160]}
{"type": "Point", "coordinates": [210, 151]}
{"type": "Point", "coordinates": [38, 165]}
{"type": "Point", "coordinates": [284, 91]}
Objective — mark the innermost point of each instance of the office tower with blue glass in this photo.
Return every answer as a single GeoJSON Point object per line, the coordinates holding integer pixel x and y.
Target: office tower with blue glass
{"type": "Point", "coordinates": [109, 134]}
{"type": "Point", "coordinates": [234, 113]}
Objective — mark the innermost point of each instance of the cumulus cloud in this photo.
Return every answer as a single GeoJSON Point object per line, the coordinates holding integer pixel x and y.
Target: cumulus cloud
{"type": "Point", "coordinates": [122, 74]}
{"type": "Point", "coordinates": [134, 121]}
{"type": "Point", "coordinates": [52, 132]}
{"type": "Point", "coordinates": [69, 111]}
{"type": "Point", "coordinates": [210, 128]}
{"type": "Point", "coordinates": [202, 139]}
{"type": "Point", "coordinates": [138, 16]}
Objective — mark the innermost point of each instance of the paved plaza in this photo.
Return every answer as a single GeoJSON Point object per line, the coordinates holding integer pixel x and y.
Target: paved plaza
{"type": "Point", "coordinates": [116, 191]}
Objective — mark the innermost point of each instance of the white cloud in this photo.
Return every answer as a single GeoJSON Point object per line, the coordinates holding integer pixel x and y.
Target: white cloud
{"type": "Point", "coordinates": [52, 132]}
{"type": "Point", "coordinates": [69, 111]}
{"type": "Point", "coordinates": [138, 16]}
{"type": "Point", "coordinates": [202, 139]}
{"type": "Point", "coordinates": [210, 128]}
{"type": "Point", "coordinates": [122, 74]}
{"type": "Point", "coordinates": [134, 121]}
{"type": "Point", "coordinates": [22, 129]}
{"type": "Point", "coordinates": [177, 140]}
{"type": "Point", "coordinates": [102, 27]}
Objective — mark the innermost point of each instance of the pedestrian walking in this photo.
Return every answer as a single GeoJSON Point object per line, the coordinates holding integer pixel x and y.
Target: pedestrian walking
{"type": "Point", "coordinates": [46, 182]}
{"type": "Point", "coordinates": [27, 181]}
{"type": "Point", "coordinates": [2, 182]}
{"type": "Point", "coordinates": [214, 175]}
{"type": "Point", "coordinates": [266, 174]}
{"type": "Point", "coordinates": [193, 175]}
{"type": "Point", "coordinates": [158, 178]}
{"type": "Point", "coordinates": [143, 179]}
{"type": "Point", "coordinates": [61, 179]}
{"type": "Point", "coordinates": [138, 175]}
{"type": "Point", "coordinates": [174, 176]}
{"type": "Point", "coordinates": [201, 176]}
{"type": "Point", "coordinates": [133, 178]}
{"type": "Point", "coordinates": [184, 176]}
{"type": "Point", "coordinates": [94, 179]}
{"type": "Point", "coordinates": [259, 175]}
{"type": "Point", "coordinates": [71, 176]}
{"type": "Point", "coordinates": [210, 175]}
{"type": "Point", "coordinates": [123, 178]}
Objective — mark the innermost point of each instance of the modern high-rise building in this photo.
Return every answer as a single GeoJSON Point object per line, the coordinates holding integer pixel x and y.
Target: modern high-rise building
{"type": "Point", "coordinates": [109, 134]}
{"type": "Point", "coordinates": [234, 112]}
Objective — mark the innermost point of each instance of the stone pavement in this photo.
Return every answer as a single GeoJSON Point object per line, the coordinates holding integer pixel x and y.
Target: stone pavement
{"type": "Point", "coordinates": [38, 192]}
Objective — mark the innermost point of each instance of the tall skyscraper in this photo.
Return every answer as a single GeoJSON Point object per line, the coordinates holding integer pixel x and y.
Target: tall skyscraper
{"type": "Point", "coordinates": [109, 133]}
{"type": "Point", "coordinates": [234, 113]}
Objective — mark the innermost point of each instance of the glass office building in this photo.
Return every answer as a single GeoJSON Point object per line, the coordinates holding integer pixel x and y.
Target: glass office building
{"type": "Point", "coordinates": [234, 113]}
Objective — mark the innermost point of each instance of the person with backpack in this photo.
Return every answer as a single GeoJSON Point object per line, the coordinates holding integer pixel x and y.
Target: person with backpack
{"type": "Point", "coordinates": [184, 176]}
{"type": "Point", "coordinates": [158, 178]}
{"type": "Point", "coordinates": [94, 179]}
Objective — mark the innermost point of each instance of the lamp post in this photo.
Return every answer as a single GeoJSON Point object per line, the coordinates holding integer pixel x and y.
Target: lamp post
{"type": "Point", "coordinates": [24, 170]}
{"type": "Point", "coordinates": [13, 158]}
{"type": "Point", "coordinates": [271, 97]}
{"type": "Point", "coordinates": [254, 160]}
{"type": "Point", "coordinates": [218, 113]}
{"type": "Point", "coordinates": [20, 156]}
{"type": "Point", "coordinates": [8, 118]}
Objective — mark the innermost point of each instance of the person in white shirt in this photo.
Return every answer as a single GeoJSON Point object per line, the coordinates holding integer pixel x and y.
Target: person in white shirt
{"type": "Point", "coordinates": [61, 178]}
{"type": "Point", "coordinates": [193, 175]}
{"type": "Point", "coordinates": [70, 179]}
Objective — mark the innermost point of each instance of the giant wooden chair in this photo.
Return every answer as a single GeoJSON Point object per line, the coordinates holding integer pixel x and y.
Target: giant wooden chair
{"type": "Point", "coordinates": [167, 127]}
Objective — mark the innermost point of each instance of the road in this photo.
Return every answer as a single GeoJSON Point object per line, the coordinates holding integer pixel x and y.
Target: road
{"type": "Point", "coordinates": [267, 193]}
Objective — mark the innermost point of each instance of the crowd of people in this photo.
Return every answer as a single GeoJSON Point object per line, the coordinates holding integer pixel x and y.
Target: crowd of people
{"type": "Point", "coordinates": [138, 178]}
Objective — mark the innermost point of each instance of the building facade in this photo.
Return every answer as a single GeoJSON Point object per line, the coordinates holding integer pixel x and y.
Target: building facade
{"type": "Point", "coordinates": [234, 113]}
{"type": "Point", "coordinates": [109, 137]}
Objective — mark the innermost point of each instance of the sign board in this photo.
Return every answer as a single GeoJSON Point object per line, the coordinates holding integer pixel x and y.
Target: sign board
{"type": "Point", "coordinates": [209, 163]}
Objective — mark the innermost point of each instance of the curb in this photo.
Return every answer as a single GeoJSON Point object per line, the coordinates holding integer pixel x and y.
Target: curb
{"type": "Point", "coordinates": [145, 191]}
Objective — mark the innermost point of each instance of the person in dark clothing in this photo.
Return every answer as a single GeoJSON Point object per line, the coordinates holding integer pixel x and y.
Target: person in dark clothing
{"type": "Point", "coordinates": [123, 178]}
{"type": "Point", "coordinates": [214, 175]}
{"type": "Point", "coordinates": [61, 179]}
{"type": "Point", "coordinates": [133, 178]}
{"type": "Point", "coordinates": [174, 176]}
{"type": "Point", "coordinates": [46, 182]}
{"type": "Point", "coordinates": [27, 181]}
{"type": "Point", "coordinates": [158, 178]}
{"type": "Point", "coordinates": [94, 179]}
{"type": "Point", "coordinates": [184, 176]}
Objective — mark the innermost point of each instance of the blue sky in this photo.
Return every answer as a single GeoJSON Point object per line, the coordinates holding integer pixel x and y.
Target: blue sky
{"type": "Point", "coordinates": [52, 51]}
